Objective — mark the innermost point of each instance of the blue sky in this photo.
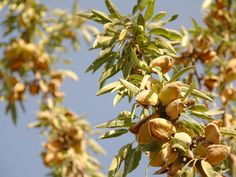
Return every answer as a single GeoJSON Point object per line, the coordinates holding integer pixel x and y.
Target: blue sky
{"type": "Point", "coordinates": [20, 147]}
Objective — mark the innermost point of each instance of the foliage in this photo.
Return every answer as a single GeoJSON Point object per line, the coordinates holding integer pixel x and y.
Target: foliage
{"type": "Point", "coordinates": [33, 39]}
{"type": "Point", "coordinates": [180, 87]}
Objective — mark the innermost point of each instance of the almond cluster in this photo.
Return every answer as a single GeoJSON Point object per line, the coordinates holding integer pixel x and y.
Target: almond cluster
{"type": "Point", "coordinates": [177, 146]}
{"type": "Point", "coordinates": [66, 144]}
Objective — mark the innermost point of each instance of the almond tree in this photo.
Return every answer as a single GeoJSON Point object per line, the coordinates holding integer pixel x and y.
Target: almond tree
{"type": "Point", "coordinates": [180, 87]}
{"type": "Point", "coordinates": [32, 42]}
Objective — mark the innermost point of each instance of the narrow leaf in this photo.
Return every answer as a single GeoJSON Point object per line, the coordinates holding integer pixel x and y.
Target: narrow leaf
{"type": "Point", "coordinates": [132, 88]}
{"type": "Point", "coordinates": [189, 91]}
{"type": "Point", "coordinates": [122, 120]}
{"type": "Point", "coordinates": [207, 168]}
{"type": "Point", "coordinates": [118, 98]}
{"type": "Point", "coordinates": [150, 10]}
{"type": "Point", "coordinates": [109, 72]}
{"type": "Point", "coordinates": [102, 16]}
{"type": "Point", "coordinates": [199, 108]}
{"type": "Point", "coordinates": [108, 88]}
{"type": "Point", "coordinates": [118, 159]}
{"type": "Point", "coordinates": [134, 57]}
{"type": "Point", "coordinates": [196, 93]}
{"type": "Point", "coordinates": [172, 18]}
{"type": "Point", "coordinates": [132, 160]}
{"type": "Point", "coordinates": [201, 115]}
{"type": "Point", "coordinates": [180, 73]}
{"type": "Point", "coordinates": [144, 81]}
{"type": "Point", "coordinates": [166, 44]}
{"type": "Point", "coordinates": [159, 16]}
{"type": "Point", "coordinates": [113, 9]}
{"type": "Point", "coordinates": [113, 133]}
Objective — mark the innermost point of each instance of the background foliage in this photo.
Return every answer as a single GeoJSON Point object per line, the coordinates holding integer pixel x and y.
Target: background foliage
{"type": "Point", "coordinates": [158, 32]}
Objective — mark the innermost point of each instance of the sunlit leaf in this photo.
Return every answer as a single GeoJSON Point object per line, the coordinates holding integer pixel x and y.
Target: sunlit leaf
{"type": "Point", "coordinates": [196, 93]}
{"type": "Point", "coordinates": [207, 168]}
{"type": "Point", "coordinates": [113, 133]}
{"type": "Point", "coordinates": [166, 44]}
{"type": "Point", "coordinates": [132, 88]}
{"type": "Point", "coordinates": [134, 57]}
{"type": "Point", "coordinates": [118, 98]}
{"type": "Point", "coordinates": [159, 16]}
{"type": "Point", "coordinates": [189, 91]}
{"type": "Point", "coordinates": [113, 9]}
{"type": "Point", "coordinates": [108, 88]}
{"type": "Point", "coordinates": [132, 160]}
{"type": "Point", "coordinates": [150, 10]}
{"type": "Point", "coordinates": [117, 160]}
{"type": "Point", "coordinates": [123, 120]}
{"type": "Point", "coordinates": [199, 108]}
{"type": "Point", "coordinates": [180, 73]}
{"type": "Point", "coordinates": [101, 15]}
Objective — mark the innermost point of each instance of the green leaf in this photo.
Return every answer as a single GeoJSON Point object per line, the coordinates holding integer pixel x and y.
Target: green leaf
{"type": "Point", "coordinates": [184, 169]}
{"type": "Point", "coordinates": [167, 33]}
{"type": "Point", "coordinates": [153, 146]}
{"type": "Point", "coordinates": [113, 9]}
{"type": "Point", "coordinates": [136, 77]}
{"type": "Point", "coordinates": [132, 88]}
{"type": "Point", "coordinates": [196, 93]}
{"type": "Point", "coordinates": [207, 168]}
{"type": "Point", "coordinates": [159, 16]}
{"type": "Point", "coordinates": [180, 73]}
{"type": "Point", "coordinates": [144, 81]}
{"type": "Point", "coordinates": [123, 120]}
{"type": "Point", "coordinates": [214, 112]}
{"type": "Point", "coordinates": [141, 20]}
{"type": "Point", "coordinates": [192, 124]}
{"type": "Point", "coordinates": [123, 34]}
{"type": "Point", "coordinates": [175, 35]}
{"type": "Point", "coordinates": [199, 108]}
{"type": "Point", "coordinates": [166, 44]}
{"type": "Point", "coordinates": [196, 26]}
{"type": "Point", "coordinates": [113, 133]}
{"type": "Point", "coordinates": [160, 31]}
{"type": "Point", "coordinates": [109, 73]}
{"type": "Point", "coordinates": [134, 58]}
{"type": "Point", "coordinates": [172, 18]}
{"type": "Point", "coordinates": [118, 98]}
{"type": "Point", "coordinates": [127, 67]}
{"type": "Point", "coordinates": [75, 7]}
{"type": "Point", "coordinates": [150, 10]}
{"type": "Point", "coordinates": [100, 61]}
{"type": "Point", "coordinates": [104, 41]}
{"type": "Point", "coordinates": [201, 115]}
{"type": "Point", "coordinates": [135, 9]}
{"type": "Point", "coordinates": [118, 159]}
{"type": "Point", "coordinates": [142, 4]}
{"type": "Point", "coordinates": [101, 15]}
{"type": "Point", "coordinates": [179, 146]}
{"type": "Point", "coordinates": [189, 91]}
{"type": "Point", "coordinates": [12, 109]}
{"type": "Point", "coordinates": [191, 172]}
{"type": "Point", "coordinates": [108, 88]}
{"type": "Point", "coordinates": [132, 160]}
{"type": "Point", "coordinates": [228, 132]}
